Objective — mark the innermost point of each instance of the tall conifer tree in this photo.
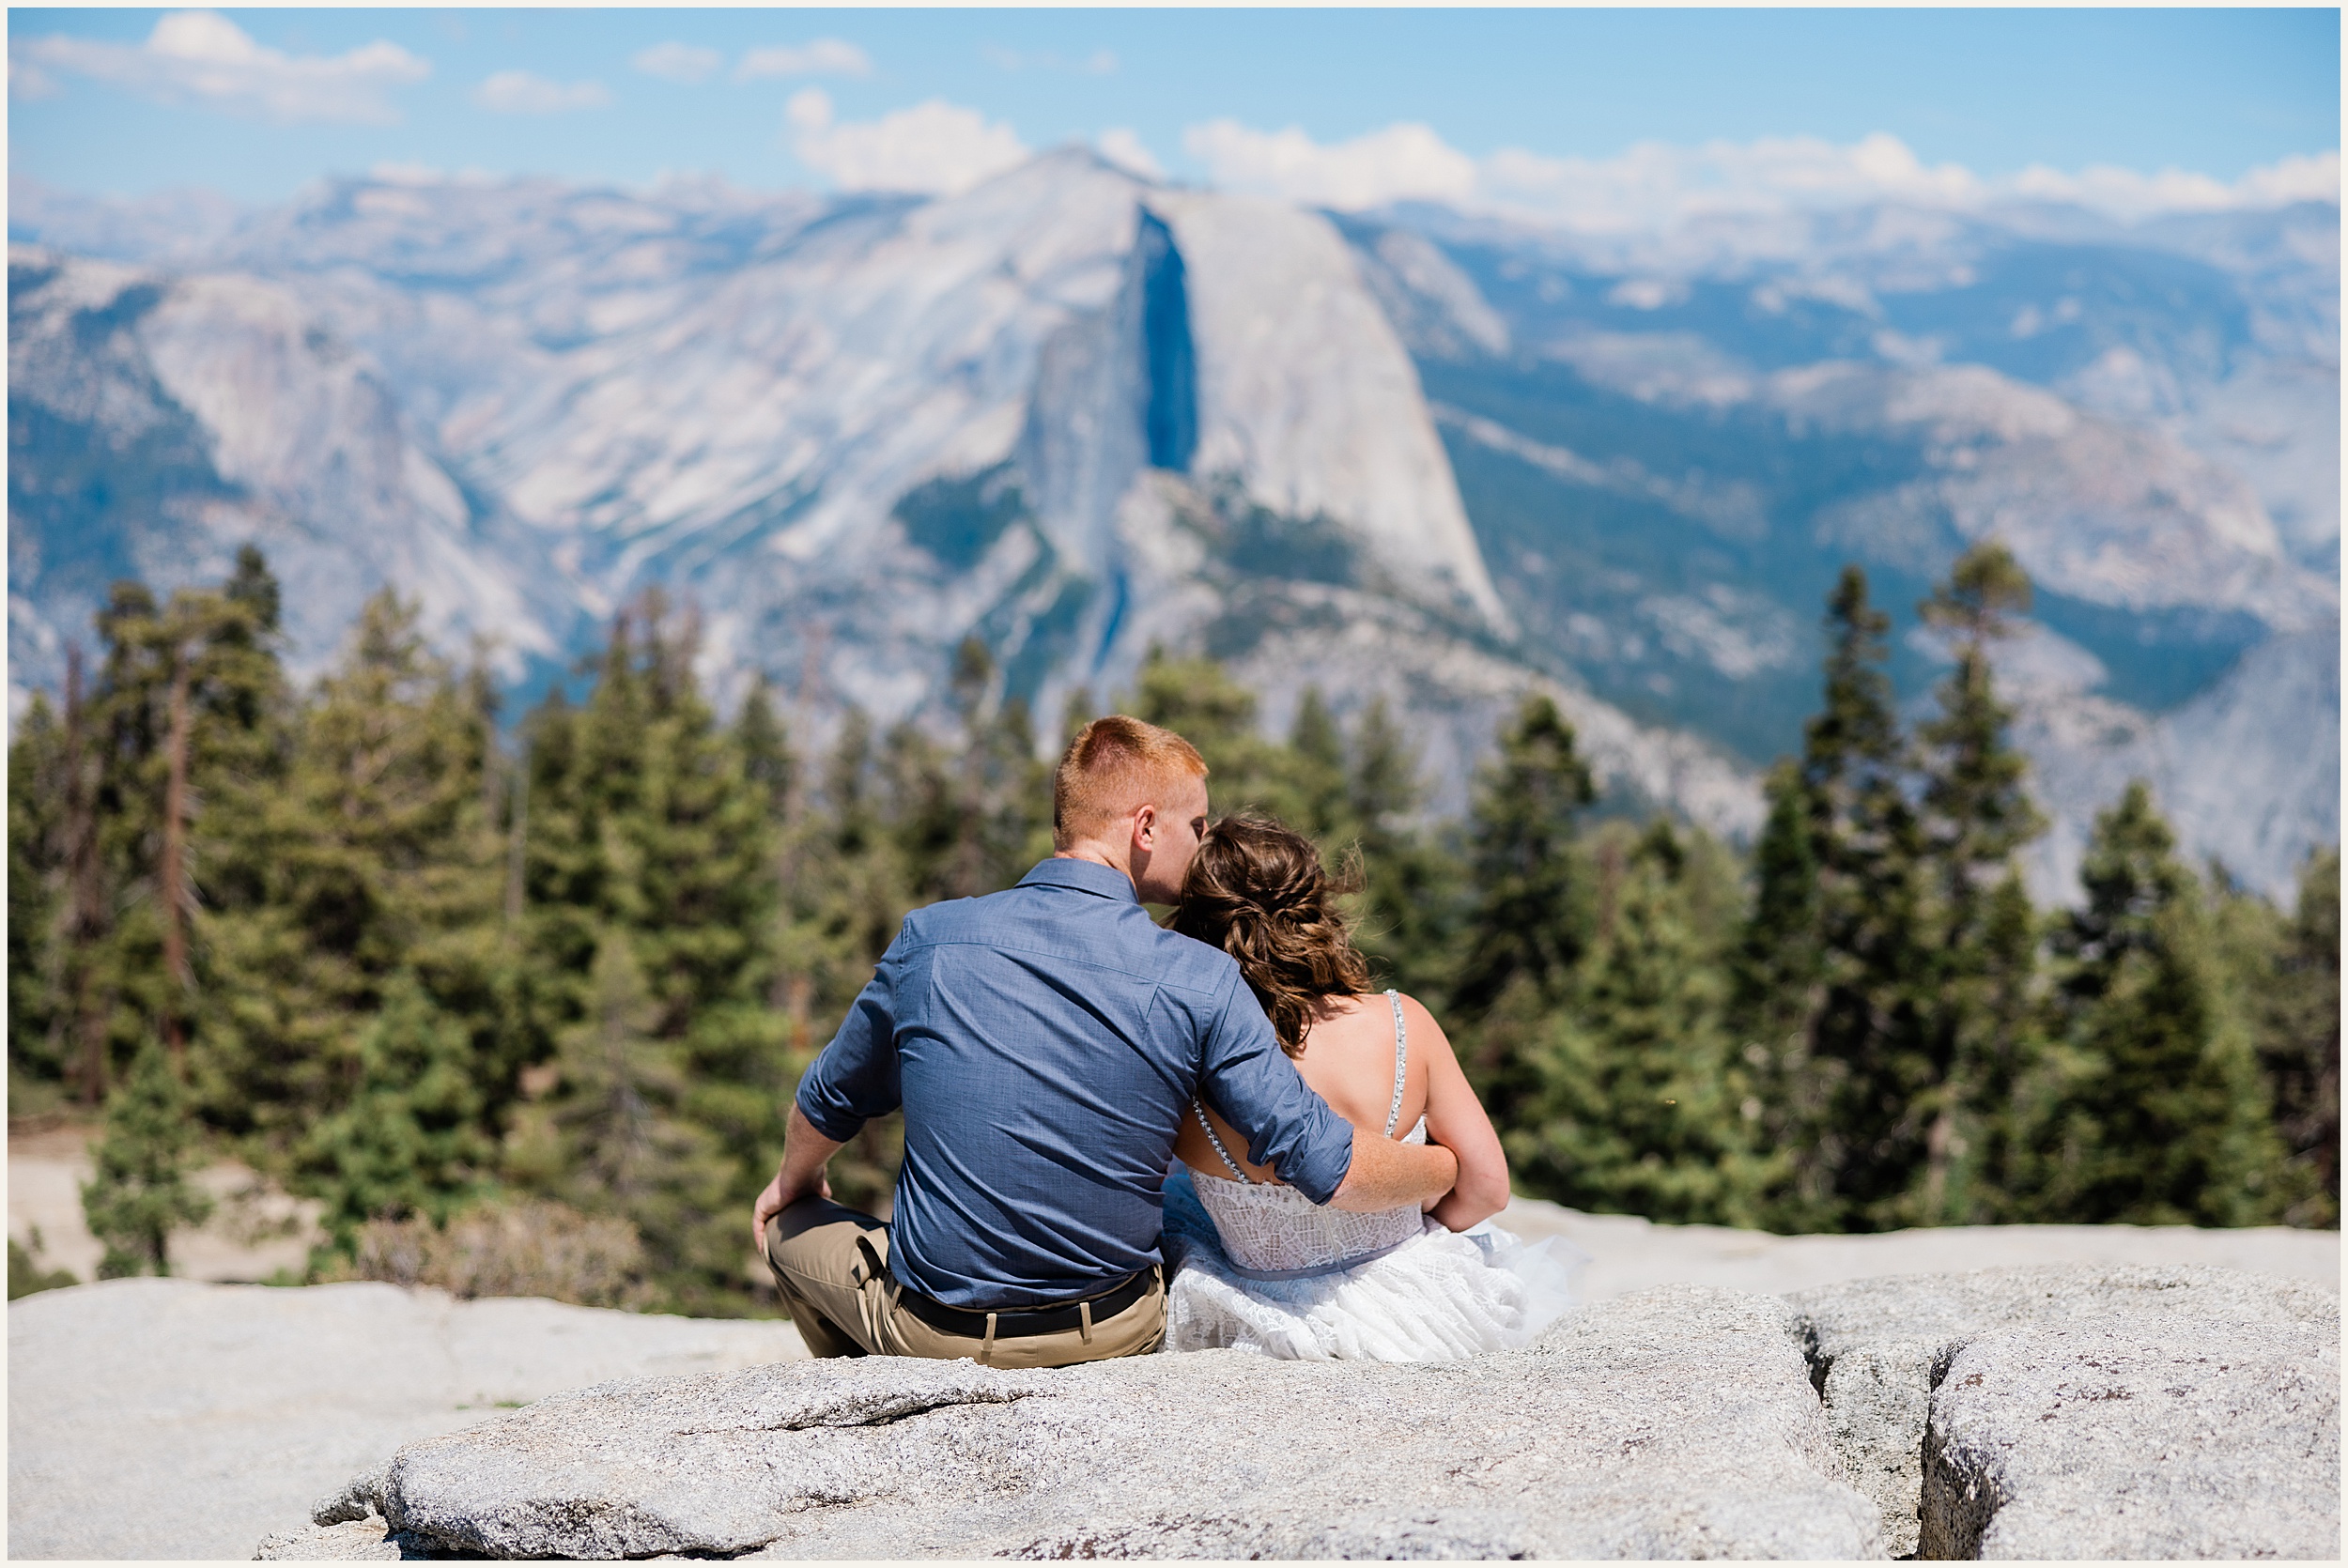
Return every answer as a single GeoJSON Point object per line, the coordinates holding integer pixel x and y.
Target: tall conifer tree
{"type": "Point", "coordinates": [139, 1190]}
{"type": "Point", "coordinates": [1842, 1072]}
{"type": "Point", "coordinates": [411, 1141]}
{"type": "Point", "coordinates": [1415, 888]}
{"type": "Point", "coordinates": [372, 859]}
{"type": "Point", "coordinates": [1974, 1041]}
{"type": "Point", "coordinates": [1637, 1109]}
{"type": "Point", "coordinates": [40, 1047]}
{"type": "Point", "coordinates": [2299, 1042]}
{"type": "Point", "coordinates": [1530, 926]}
{"type": "Point", "coordinates": [2161, 1116]}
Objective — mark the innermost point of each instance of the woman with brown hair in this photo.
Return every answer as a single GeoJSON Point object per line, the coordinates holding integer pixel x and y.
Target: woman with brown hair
{"type": "Point", "coordinates": [1259, 1267]}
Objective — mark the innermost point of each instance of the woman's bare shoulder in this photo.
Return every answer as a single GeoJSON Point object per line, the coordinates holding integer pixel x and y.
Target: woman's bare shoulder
{"type": "Point", "coordinates": [1416, 1018]}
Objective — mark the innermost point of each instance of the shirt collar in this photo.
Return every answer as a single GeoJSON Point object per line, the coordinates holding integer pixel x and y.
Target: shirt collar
{"type": "Point", "coordinates": [1083, 876]}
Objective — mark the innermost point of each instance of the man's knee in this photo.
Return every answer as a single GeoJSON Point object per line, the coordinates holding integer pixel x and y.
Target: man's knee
{"type": "Point", "coordinates": [822, 1255]}
{"type": "Point", "coordinates": [813, 1212]}
{"type": "Point", "coordinates": [815, 1233]}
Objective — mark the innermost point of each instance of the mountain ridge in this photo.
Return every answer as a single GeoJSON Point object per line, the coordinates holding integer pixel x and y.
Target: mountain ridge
{"type": "Point", "coordinates": [1079, 415]}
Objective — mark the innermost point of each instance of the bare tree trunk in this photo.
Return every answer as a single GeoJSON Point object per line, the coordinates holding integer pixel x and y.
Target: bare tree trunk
{"type": "Point", "coordinates": [85, 914]}
{"type": "Point", "coordinates": [172, 875]}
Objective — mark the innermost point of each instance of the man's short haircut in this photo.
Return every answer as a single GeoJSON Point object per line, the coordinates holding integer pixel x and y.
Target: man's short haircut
{"type": "Point", "coordinates": [1113, 765]}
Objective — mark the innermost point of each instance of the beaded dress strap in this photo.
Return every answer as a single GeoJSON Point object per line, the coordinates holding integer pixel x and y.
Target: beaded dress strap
{"type": "Point", "coordinates": [1394, 1110]}
{"type": "Point", "coordinates": [1207, 1128]}
{"type": "Point", "coordinates": [1402, 1055]}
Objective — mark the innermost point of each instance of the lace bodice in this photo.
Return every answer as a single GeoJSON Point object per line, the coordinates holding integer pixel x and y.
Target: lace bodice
{"type": "Point", "coordinates": [1277, 1231]}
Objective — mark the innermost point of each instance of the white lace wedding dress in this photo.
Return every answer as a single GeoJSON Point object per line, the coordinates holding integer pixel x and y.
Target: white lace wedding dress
{"type": "Point", "coordinates": [1261, 1267]}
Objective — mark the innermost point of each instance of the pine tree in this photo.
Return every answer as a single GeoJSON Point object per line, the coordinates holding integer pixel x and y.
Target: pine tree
{"type": "Point", "coordinates": [2299, 1042]}
{"type": "Point", "coordinates": [39, 1046]}
{"type": "Point", "coordinates": [80, 1002]}
{"type": "Point", "coordinates": [2157, 1116]}
{"type": "Point", "coordinates": [1529, 928]}
{"type": "Point", "coordinates": [1199, 700]}
{"type": "Point", "coordinates": [1415, 891]}
{"type": "Point", "coordinates": [970, 815]}
{"type": "Point", "coordinates": [1856, 1085]}
{"type": "Point", "coordinates": [1316, 769]}
{"type": "Point", "coordinates": [114, 852]}
{"type": "Point", "coordinates": [1531, 921]}
{"type": "Point", "coordinates": [1777, 975]}
{"type": "Point", "coordinates": [2006, 1064]}
{"type": "Point", "coordinates": [1977, 815]}
{"type": "Point", "coordinates": [648, 828]}
{"type": "Point", "coordinates": [410, 1141]}
{"type": "Point", "coordinates": [845, 899]}
{"type": "Point", "coordinates": [374, 857]}
{"type": "Point", "coordinates": [1638, 1105]}
{"type": "Point", "coordinates": [767, 759]}
{"type": "Point", "coordinates": [614, 1137]}
{"type": "Point", "coordinates": [139, 1191]}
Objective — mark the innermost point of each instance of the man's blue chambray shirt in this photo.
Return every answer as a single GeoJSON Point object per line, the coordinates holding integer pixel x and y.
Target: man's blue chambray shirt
{"type": "Point", "coordinates": [1045, 1042]}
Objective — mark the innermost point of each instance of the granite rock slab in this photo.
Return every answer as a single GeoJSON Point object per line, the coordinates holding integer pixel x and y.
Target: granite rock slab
{"type": "Point", "coordinates": [1880, 1352]}
{"type": "Point", "coordinates": [1676, 1422]}
{"type": "Point", "coordinates": [224, 1409]}
{"type": "Point", "coordinates": [2212, 1439]}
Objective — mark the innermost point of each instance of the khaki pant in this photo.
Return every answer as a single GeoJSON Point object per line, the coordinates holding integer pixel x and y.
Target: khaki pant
{"type": "Point", "coordinates": [831, 1267]}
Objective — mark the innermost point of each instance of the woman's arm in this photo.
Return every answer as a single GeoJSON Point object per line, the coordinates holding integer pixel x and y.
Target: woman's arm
{"type": "Point", "coordinates": [1456, 1119]}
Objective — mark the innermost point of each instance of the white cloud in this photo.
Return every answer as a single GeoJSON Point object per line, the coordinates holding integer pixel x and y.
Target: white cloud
{"type": "Point", "coordinates": [1400, 163]}
{"type": "Point", "coordinates": [520, 92]}
{"type": "Point", "coordinates": [1123, 149]}
{"type": "Point", "coordinates": [2127, 194]}
{"type": "Point", "coordinates": [203, 57]}
{"type": "Point", "coordinates": [398, 172]}
{"type": "Point", "coordinates": [936, 146]}
{"type": "Point", "coordinates": [687, 63]}
{"type": "Point", "coordinates": [823, 57]}
{"type": "Point", "coordinates": [1655, 184]}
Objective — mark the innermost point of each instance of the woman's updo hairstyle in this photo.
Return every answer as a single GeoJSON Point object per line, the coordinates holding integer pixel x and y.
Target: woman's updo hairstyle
{"type": "Point", "coordinates": [1257, 891]}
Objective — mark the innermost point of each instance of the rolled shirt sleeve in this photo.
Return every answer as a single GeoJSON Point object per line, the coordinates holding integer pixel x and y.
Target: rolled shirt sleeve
{"type": "Point", "coordinates": [856, 1076]}
{"type": "Point", "coordinates": [1288, 1126]}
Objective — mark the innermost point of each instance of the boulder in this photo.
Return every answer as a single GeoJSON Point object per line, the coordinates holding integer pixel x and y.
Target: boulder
{"type": "Point", "coordinates": [1676, 1422]}
{"type": "Point", "coordinates": [224, 1409]}
{"type": "Point", "coordinates": [2205, 1439]}
{"type": "Point", "coordinates": [1880, 1350]}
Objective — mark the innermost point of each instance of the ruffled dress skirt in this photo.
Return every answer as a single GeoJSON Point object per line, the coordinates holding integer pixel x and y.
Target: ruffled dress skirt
{"type": "Point", "coordinates": [1438, 1295]}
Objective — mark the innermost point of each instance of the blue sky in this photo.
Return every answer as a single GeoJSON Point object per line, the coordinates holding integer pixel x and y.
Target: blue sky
{"type": "Point", "coordinates": [1526, 106]}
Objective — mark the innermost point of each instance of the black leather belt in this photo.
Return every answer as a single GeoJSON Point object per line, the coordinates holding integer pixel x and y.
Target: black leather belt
{"type": "Point", "coordinates": [1026, 1322]}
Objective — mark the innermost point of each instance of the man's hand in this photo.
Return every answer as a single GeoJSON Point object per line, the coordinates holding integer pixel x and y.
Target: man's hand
{"type": "Point", "coordinates": [774, 1200]}
{"type": "Point", "coordinates": [1388, 1174]}
{"type": "Point", "coordinates": [805, 1153]}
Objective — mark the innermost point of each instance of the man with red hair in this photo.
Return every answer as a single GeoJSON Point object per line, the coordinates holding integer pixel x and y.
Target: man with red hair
{"type": "Point", "coordinates": [1044, 1043]}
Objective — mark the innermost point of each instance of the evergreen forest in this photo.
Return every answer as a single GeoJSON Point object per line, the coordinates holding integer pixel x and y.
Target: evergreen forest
{"type": "Point", "coordinates": [524, 1001]}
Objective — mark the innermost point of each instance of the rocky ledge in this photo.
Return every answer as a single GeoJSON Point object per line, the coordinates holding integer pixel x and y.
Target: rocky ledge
{"type": "Point", "coordinates": [2035, 1413]}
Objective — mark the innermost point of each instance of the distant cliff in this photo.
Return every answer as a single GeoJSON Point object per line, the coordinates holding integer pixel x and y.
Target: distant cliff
{"type": "Point", "coordinates": [1078, 415]}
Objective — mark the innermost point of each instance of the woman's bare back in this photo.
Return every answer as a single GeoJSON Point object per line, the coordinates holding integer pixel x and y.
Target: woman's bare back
{"type": "Point", "coordinates": [1348, 1059]}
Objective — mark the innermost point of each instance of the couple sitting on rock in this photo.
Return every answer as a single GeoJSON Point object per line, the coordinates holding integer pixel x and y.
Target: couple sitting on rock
{"type": "Point", "coordinates": [1053, 1050]}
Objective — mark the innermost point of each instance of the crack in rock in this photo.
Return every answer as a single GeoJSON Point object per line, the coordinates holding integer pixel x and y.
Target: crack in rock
{"type": "Point", "coordinates": [1890, 1356]}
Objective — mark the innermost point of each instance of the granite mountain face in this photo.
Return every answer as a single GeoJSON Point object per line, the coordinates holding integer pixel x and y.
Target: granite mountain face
{"type": "Point", "coordinates": [1080, 415]}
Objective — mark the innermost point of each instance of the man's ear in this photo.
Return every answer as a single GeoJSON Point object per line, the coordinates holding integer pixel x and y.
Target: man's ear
{"type": "Point", "coordinates": [1146, 827]}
